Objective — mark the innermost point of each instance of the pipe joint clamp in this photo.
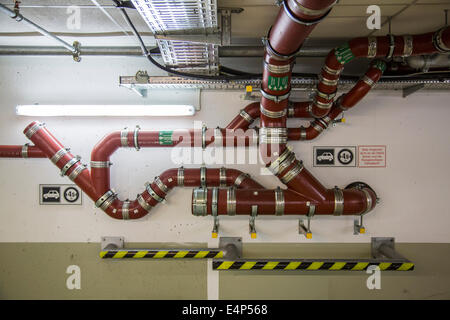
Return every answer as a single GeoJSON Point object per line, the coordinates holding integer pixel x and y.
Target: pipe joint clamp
{"type": "Point", "coordinates": [438, 42]}
{"type": "Point", "coordinates": [276, 99]}
{"type": "Point", "coordinates": [279, 202]}
{"type": "Point", "coordinates": [69, 165]}
{"type": "Point", "coordinates": [338, 201]}
{"type": "Point", "coordinates": [231, 201]}
{"type": "Point", "coordinates": [291, 16]}
{"type": "Point", "coordinates": [34, 128]}
{"type": "Point", "coordinates": [223, 177]}
{"type": "Point", "coordinates": [199, 201]}
{"type": "Point", "coordinates": [106, 200]}
{"type": "Point", "coordinates": [180, 176]}
{"type": "Point", "coordinates": [152, 193]}
{"type": "Point", "coordinates": [76, 172]}
{"type": "Point", "coordinates": [293, 172]}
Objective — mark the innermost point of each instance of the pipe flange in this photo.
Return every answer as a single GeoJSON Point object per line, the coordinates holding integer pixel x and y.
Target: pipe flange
{"type": "Point", "coordinates": [276, 99]}
{"type": "Point", "coordinates": [338, 201]}
{"type": "Point", "coordinates": [372, 47]}
{"type": "Point", "coordinates": [326, 96]}
{"type": "Point", "coordinates": [180, 176]}
{"type": "Point", "coordinates": [204, 137]}
{"type": "Point", "coordinates": [312, 12]}
{"type": "Point", "coordinates": [58, 155]}
{"type": "Point", "coordinates": [332, 71]}
{"type": "Point", "coordinates": [367, 80]}
{"type": "Point", "coordinates": [161, 185]}
{"type": "Point", "coordinates": [291, 174]}
{"type": "Point", "coordinates": [438, 42]}
{"type": "Point", "coordinates": [199, 202]}
{"type": "Point", "coordinates": [100, 164]}
{"type": "Point", "coordinates": [76, 172]}
{"type": "Point", "coordinates": [126, 210]}
{"type": "Point", "coordinates": [223, 177]}
{"type": "Point", "coordinates": [241, 178]}
{"type": "Point", "coordinates": [275, 165]}
{"type": "Point", "coordinates": [135, 138]}
{"type": "Point", "coordinates": [279, 202]}
{"type": "Point", "coordinates": [275, 55]}
{"type": "Point", "coordinates": [328, 82]}
{"type": "Point", "coordinates": [246, 116]}
{"type": "Point", "coordinates": [24, 151]}
{"type": "Point", "coordinates": [214, 201]}
{"type": "Point", "coordinates": [272, 114]}
{"type": "Point", "coordinates": [278, 69]}
{"type": "Point", "coordinates": [231, 201]}
{"type": "Point", "coordinates": [69, 165]}
{"type": "Point", "coordinates": [34, 128]}
{"type": "Point", "coordinates": [152, 192]}
{"type": "Point", "coordinates": [291, 16]}
{"type": "Point", "coordinates": [107, 195]}
{"type": "Point", "coordinates": [203, 177]}
{"type": "Point", "coordinates": [147, 207]}
{"type": "Point", "coordinates": [408, 46]}
{"type": "Point", "coordinates": [124, 137]}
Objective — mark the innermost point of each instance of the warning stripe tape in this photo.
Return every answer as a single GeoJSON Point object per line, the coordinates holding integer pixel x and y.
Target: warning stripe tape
{"type": "Point", "coordinates": [161, 254]}
{"type": "Point", "coordinates": [310, 265]}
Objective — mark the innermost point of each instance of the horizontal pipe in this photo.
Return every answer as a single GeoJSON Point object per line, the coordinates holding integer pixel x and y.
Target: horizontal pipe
{"type": "Point", "coordinates": [19, 18]}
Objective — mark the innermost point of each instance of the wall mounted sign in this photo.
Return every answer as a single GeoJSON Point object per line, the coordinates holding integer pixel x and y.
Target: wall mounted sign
{"type": "Point", "coordinates": [342, 156]}
{"type": "Point", "coordinates": [62, 194]}
{"type": "Point", "coordinates": [372, 156]}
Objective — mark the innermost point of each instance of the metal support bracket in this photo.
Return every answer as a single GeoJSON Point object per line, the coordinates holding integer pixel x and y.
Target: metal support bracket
{"type": "Point", "coordinates": [232, 247]}
{"type": "Point", "coordinates": [306, 230]}
{"type": "Point", "coordinates": [77, 54]}
{"type": "Point", "coordinates": [215, 230]}
{"type": "Point", "coordinates": [407, 91]}
{"type": "Point", "coordinates": [225, 14]}
{"type": "Point", "coordinates": [252, 228]}
{"type": "Point", "coordinates": [384, 248]}
{"type": "Point", "coordinates": [358, 226]}
{"type": "Point", "coordinates": [111, 243]}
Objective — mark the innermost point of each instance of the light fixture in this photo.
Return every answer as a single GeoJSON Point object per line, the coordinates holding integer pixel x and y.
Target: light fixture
{"type": "Point", "coordinates": [40, 110]}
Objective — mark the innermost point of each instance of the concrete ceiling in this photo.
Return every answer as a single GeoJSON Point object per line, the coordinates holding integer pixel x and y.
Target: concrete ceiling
{"type": "Point", "coordinates": [347, 20]}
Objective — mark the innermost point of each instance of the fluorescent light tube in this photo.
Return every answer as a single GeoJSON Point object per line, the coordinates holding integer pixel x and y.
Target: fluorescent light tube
{"type": "Point", "coordinates": [40, 110]}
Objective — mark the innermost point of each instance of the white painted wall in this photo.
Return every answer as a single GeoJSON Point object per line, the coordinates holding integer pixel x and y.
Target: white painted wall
{"type": "Point", "coordinates": [414, 187]}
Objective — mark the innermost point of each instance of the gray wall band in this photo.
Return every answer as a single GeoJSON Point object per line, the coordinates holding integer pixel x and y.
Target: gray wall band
{"type": "Point", "coordinates": [69, 165]}
{"type": "Point", "coordinates": [126, 210]}
{"type": "Point", "coordinates": [35, 128]}
{"type": "Point", "coordinates": [279, 202]}
{"type": "Point", "coordinates": [223, 177]}
{"type": "Point", "coordinates": [58, 155]}
{"type": "Point", "coordinates": [231, 201]}
{"type": "Point", "coordinates": [180, 176]}
{"type": "Point", "coordinates": [143, 204]}
{"type": "Point", "coordinates": [338, 202]}
{"type": "Point", "coordinates": [124, 138]}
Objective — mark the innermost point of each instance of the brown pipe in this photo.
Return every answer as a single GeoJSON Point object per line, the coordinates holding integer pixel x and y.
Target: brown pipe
{"type": "Point", "coordinates": [282, 202]}
{"type": "Point", "coordinates": [25, 151]}
{"type": "Point", "coordinates": [384, 46]}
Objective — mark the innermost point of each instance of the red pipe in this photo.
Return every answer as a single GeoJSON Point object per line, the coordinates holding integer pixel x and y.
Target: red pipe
{"type": "Point", "coordinates": [25, 151]}
{"type": "Point", "coordinates": [384, 46]}
{"type": "Point", "coordinates": [282, 202]}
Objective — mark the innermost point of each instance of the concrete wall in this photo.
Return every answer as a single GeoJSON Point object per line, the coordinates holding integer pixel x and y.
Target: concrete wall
{"type": "Point", "coordinates": [413, 186]}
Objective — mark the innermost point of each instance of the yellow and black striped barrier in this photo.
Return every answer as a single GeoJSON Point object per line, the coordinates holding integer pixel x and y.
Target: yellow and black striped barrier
{"type": "Point", "coordinates": [162, 253]}
{"type": "Point", "coordinates": [311, 265]}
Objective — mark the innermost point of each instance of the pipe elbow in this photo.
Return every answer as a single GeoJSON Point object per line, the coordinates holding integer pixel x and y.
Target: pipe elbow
{"type": "Point", "coordinates": [106, 147]}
